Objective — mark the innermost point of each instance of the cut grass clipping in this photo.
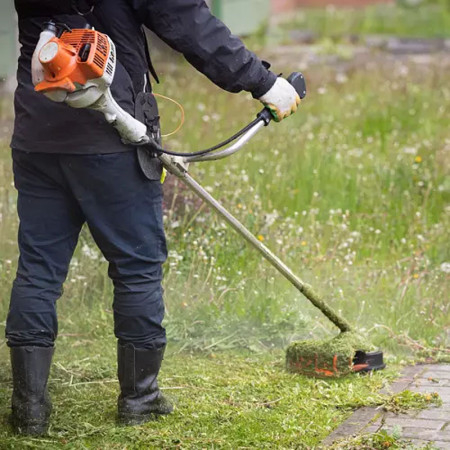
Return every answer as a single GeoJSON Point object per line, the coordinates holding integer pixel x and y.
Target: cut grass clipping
{"type": "Point", "coordinates": [326, 358]}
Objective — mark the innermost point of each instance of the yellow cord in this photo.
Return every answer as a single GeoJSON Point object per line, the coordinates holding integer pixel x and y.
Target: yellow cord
{"type": "Point", "coordinates": [182, 114]}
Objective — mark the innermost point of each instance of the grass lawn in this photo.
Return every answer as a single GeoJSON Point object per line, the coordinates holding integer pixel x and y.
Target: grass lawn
{"type": "Point", "coordinates": [228, 400]}
{"type": "Point", "coordinates": [352, 192]}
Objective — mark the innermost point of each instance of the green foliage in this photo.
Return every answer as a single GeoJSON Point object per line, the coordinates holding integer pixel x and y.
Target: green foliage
{"type": "Point", "coordinates": [406, 400]}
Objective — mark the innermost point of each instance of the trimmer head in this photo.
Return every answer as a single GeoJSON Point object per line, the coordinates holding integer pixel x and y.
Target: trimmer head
{"type": "Point", "coordinates": [346, 353]}
{"type": "Point", "coordinates": [368, 361]}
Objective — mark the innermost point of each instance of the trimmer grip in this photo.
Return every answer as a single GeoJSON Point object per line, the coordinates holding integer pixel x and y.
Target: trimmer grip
{"type": "Point", "coordinates": [298, 81]}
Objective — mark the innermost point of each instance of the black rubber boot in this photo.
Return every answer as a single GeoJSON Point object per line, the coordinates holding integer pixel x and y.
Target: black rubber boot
{"type": "Point", "coordinates": [31, 406]}
{"type": "Point", "coordinates": [140, 399]}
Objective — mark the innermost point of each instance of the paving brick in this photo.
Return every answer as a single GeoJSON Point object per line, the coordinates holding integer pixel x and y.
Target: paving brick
{"type": "Point", "coordinates": [441, 445]}
{"type": "Point", "coordinates": [431, 382]}
{"type": "Point", "coordinates": [444, 392]}
{"type": "Point", "coordinates": [397, 387]}
{"type": "Point", "coordinates": [445, 399]}
{"type": "Point", "coordinates": [371, 429]}
{"type": "Point", "coordinates": [422, 427]}
{"type": "Point", "coordinates": [440, 367]}
{"type": "Point", "coordinates": [416, 423]}
{"type": "Point", "coordinates": [407, 377]}
{"type": "Point", "coordinates": [420, 443]}
{"type": "Point", "coordinates": [435, 374]}
{"type": "Point", "coordinates": [413, 371]}
{"type": "Point", "coordinates": [392, 415]}
{"type": "Point", "coordinates": [353, 425]}
{"type": "Point", "coordinates": [424, 434]}
{"type": "Point", "coordinates": [434, 414]}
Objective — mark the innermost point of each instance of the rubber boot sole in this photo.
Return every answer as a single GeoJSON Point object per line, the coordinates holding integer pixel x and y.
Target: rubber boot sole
{"type": "Point", "coordinates": [139, 419]}
{"type": "Point", "coordinates": [29, 429]}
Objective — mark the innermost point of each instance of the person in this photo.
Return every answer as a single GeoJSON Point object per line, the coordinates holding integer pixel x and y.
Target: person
{"type": "Point", "coordinates": [71, 168]}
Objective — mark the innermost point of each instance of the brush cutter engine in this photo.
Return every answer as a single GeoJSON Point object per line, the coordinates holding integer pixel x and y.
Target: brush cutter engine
{"type": "Point", "coordinates": [77, 67]}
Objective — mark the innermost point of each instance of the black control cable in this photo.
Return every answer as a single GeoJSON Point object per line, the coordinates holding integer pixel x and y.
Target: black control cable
{"type": "Point", "coordinates": [296, 79]}
{"type": "Point", "coordinates": [155, 147]}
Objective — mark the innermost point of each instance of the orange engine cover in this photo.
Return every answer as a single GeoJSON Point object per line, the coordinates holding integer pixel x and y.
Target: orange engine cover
{"type": "Point", "coordinates": [77, 56]}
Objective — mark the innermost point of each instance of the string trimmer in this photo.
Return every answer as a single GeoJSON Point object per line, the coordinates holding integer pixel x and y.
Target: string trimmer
{"type": "Point", "coordinates": [77, 67]}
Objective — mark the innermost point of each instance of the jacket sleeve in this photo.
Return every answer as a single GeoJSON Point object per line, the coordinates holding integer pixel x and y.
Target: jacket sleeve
{"type": "Point", "coordinates": [189, 27]}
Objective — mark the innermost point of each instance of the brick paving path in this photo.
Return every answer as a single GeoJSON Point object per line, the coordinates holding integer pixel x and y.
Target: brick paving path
{"type": "Point", "coordinates": [419, 427]}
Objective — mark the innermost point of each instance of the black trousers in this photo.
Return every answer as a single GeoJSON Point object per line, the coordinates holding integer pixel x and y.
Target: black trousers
{"type": "Point", "coordinates": [57, 194]}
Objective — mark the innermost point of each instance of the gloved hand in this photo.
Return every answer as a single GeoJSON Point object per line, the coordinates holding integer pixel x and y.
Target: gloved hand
{"type": "Point", "coordinates": [282, 99]}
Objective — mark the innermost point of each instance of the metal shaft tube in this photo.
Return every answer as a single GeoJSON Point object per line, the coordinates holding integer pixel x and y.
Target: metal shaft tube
{"type": "Point", "coordinates": [276, 262]}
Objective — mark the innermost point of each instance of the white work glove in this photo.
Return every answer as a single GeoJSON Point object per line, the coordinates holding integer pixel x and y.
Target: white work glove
{"type": "Point", "coordinates": [281, 99]}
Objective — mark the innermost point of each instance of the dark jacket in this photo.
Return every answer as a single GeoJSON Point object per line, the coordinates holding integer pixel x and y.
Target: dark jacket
{"type": "Point", "coordinates": [186, 25]}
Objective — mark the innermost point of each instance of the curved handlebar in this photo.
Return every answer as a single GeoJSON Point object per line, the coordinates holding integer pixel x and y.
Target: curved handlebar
{"type": "Point", "coordinates": [297, 80]}
{"type": "Point", "coordinates": [264, 117]}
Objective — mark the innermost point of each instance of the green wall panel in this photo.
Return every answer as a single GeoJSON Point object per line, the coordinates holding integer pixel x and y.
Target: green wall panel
{"type": "Point", "coordinates": [242, 16]}
{"type": "Point", "coordinates": [8, 45]}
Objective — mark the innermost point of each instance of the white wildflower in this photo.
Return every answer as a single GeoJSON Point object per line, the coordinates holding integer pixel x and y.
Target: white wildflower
{"type": "Point", "coordinates": [403, 71]}
{"type": "Point", "coordinates": [357, 152]}
{"type": "Point", "coordinates": [341, 78]}
{"type": "Point", "coordinates": [173, 254]}
{"type": "Point", "coordinates": [410, 150]}
{"type": "Point", "coordinates": [89, 252]}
